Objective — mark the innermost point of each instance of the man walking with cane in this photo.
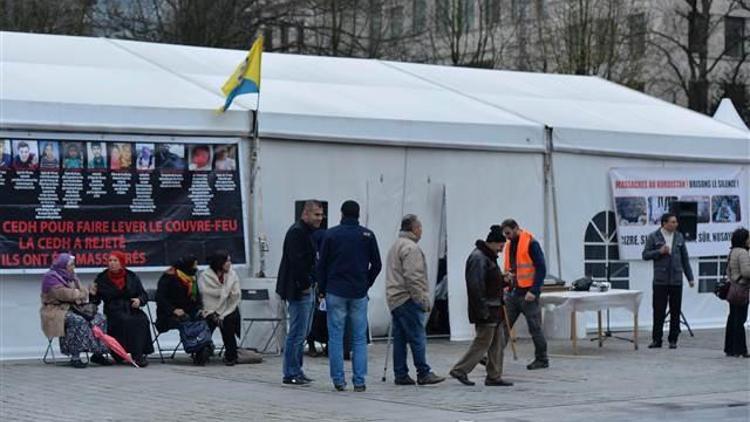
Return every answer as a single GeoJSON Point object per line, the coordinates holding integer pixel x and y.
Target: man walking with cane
{"type": "Point", "coordinates": [484, 287]}
{"type": "Point", "coordinates": [525, 270]}
{"type": "Point", "coordinates": [407, 293]}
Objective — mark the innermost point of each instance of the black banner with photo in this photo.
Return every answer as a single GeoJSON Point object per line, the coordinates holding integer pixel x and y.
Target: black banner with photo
{"type": "Point", "coordinates": [155, 201]}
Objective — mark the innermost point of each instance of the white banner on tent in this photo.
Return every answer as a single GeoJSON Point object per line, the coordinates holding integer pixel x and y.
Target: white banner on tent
{"type": "Point", "coordinates": [642, 195]}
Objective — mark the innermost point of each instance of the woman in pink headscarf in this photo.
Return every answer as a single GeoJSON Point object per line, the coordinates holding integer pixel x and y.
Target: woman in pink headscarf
{"type": "Point", "coordinates": [68, 313]}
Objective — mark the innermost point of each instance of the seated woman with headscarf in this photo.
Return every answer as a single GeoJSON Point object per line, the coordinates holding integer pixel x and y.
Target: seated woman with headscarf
{"type": "Point", "coordinates": [178, 300]}
{"type": "Point", "coordinates": [67, 312]}
{"type": "Point", "coordinates": [220, 294]}
{"type": "Point", "coordinates": [123, 295]}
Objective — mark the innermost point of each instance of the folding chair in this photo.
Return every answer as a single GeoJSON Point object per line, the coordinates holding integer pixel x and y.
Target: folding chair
{"type": "Point", "coordinates": [154, 331]}
{"type": "Point", "coordinates": [261, 295]}
{"type": "Point", "coordinates": [50, 350]}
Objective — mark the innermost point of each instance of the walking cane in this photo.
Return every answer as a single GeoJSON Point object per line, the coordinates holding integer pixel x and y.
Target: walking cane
{"type": "Point", "coordinates": [510, 332]}
{"type": "Point", "coordinates": [387, 349]}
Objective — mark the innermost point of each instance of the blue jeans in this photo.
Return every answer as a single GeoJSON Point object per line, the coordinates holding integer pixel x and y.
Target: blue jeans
{"type": "Point", "coordinates": [408, 327]}
{"type": "Point", "coordinates": [300, 312]}
{"type": "Point", "coordinates": [339, 310]}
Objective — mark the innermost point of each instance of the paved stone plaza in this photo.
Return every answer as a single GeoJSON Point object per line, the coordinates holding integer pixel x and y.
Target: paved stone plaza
{"type": "Point", "coordinates": [693, 383]}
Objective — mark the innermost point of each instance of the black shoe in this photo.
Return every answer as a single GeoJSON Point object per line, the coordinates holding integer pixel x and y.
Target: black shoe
{"type": "Point", "coordinates": [141, 361]}
{"type": "Point", "coordinates": [463, 378]}
{"type": "Point", "coordinates": [340, 387]}
{"type": "Point", "coordinates": [497, 382]}
{"type": "Point", "coordinates": [294, 381]}
{"type": "Point", "coordinates": [672, 344]}
{"type": "Point", "coordinates": [99, 359]}
{"type": "Point", "coordinates": [655, 345]}
{"type": "Point", "coordinates": [430, 379]}
{"type": "Point", "coordinates": [77, 363]}
{"type": "Point", "coordinates": [229, 362]}
{"type": "Point", "coordinates": [306, 378]}
{"type": "Point", "coordinates": [359, 388]}
{"type": "Point", "coordinates": [407, 380]}
{"type": "Point", "coordinates": [538, 364]}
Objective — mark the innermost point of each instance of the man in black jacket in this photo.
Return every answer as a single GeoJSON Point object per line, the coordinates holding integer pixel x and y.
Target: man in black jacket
{"type": "Point", "coordinates": [484, 286]}
{"type": "Point", "coordinates": [295, 285]}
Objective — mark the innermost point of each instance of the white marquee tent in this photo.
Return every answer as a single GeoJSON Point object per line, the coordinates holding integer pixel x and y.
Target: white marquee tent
{"type": "Point", "coordinates": [462, 148]}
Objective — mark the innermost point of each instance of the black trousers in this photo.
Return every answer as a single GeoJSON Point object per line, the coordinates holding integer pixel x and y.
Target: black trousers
{"type": "Point", "coordinates": [734, 338]}
{"type": "Point", "coordinates": [229, 327]}
{"type": "Point", "coordinates": [664, 295]}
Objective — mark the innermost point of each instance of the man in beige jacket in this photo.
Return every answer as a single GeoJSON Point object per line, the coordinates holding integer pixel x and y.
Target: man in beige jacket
{"type": "Point", "coordinates": [407, 293]}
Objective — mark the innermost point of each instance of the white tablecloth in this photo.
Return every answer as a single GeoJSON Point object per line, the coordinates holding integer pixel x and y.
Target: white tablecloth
{"type": "Point", "coordinates": [593, 301]}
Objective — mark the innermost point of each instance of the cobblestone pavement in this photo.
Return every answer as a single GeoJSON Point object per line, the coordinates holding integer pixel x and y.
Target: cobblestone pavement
{"type": "Point", "coordinates": [696, 382]}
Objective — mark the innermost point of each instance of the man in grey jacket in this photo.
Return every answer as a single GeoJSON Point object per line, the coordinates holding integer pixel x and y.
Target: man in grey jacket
{"type": "Point", "coordinates": [407, 293]}
{"type": "Point", "coordinates": [666, 247]}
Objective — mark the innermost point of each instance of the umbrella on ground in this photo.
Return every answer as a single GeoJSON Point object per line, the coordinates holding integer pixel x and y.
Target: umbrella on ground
{"type": "Point", "coordinates": [113, 345]}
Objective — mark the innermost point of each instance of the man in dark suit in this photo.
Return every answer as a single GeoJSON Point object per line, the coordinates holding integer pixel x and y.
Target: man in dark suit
{"type": "Point", "coordinates": [295, 285]}
{"type": "Point", "coordinates": [666, 247]}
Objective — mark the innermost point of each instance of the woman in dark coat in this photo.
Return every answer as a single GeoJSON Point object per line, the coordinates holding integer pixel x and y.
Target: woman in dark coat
{"type": "Point", "coordinates": [178, 300]}
{"type": "Point", "coordinates": [123, 295]}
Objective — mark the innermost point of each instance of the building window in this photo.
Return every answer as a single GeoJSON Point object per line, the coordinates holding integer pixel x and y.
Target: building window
{"type": "Point", "coordinates": [268, 42]}
{"type": "Point", "coordinates": [467, 15]}
{"type": "Point", "coordinates": [519, 9]}
{"type": "Point", "coordinates": [420, 15]}
{"type": "Point", "coordinates": [734, 36]}
{"type": "Point", "coordinates": [300, 36]}
{"type": "Point", "coordinates": [376, 20]}
{"type": "Point", "coordinates": [637, 35]}
{"type": "Point", "coordinates": [284, 31]}
{"type": "Point", "coordinates": [443, 22]}
{"type": "Point", "coordinates": [697, 36]}
{"type": "Point", "coordinates": [491, 12]}
{"type": "Point", "coordinates": [601, 253]}
{"type": "Point", "coordinates": [396, 21]}
{"type": "Point", "coordinates": [711, 269]}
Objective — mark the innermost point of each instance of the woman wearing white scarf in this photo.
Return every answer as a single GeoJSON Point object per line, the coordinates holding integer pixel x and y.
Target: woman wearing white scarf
{"type": "Point", "coordinates": [219, 286]}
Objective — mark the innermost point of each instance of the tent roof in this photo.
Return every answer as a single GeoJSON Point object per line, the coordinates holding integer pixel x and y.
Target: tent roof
{"type": "Point", "coordinates": [726, 113]}
{"type": "Point", "coordinates": [96, 84]}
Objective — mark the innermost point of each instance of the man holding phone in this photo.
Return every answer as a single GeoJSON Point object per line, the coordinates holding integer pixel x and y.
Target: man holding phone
{"type": "Point", "coordinates": [666, 247]}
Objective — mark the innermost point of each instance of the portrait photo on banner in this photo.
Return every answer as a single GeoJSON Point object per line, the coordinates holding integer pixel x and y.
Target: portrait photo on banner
{"type": "Point", "coordinates": [25, 155]}
{"type": "Point", "coordinates": [726, 209]}
{"type": "Point", "coordinates": [96, 153]}
{"type": "Point", "coordinates": [6, 158]}
{"type": "Point", "coordinates": [170, 157]}
{"type": "Point", "coordinates": [50, 156]}
{"type": "Point", "coordinates": [225, 157]}
{"type": "Point", "coordinates": [200, 157]}
{"type": "Point", "coordinates": [145, 159]}
{"type": "Point", "coordinates": [73, 155]}
{"type": "Point", "coordinates": [120, 156]}
{"type": "Point", "coordinates": [632, 210]}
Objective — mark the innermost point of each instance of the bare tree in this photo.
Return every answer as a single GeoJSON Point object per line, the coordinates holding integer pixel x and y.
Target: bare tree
{"type": "Point", "coordinates": [467, 33]}
{"type": "Point", "coordinates": [690, 47]}
{"type": "Point", "coordinates": [72, 17]}
{"type": "Point", "coordinates": [211, 23]}
{"type": "Point", "coordinates": [585, 37]}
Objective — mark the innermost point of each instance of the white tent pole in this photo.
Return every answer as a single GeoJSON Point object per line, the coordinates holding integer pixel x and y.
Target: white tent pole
{"type": "Point", "coordinates": [549, 168]}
